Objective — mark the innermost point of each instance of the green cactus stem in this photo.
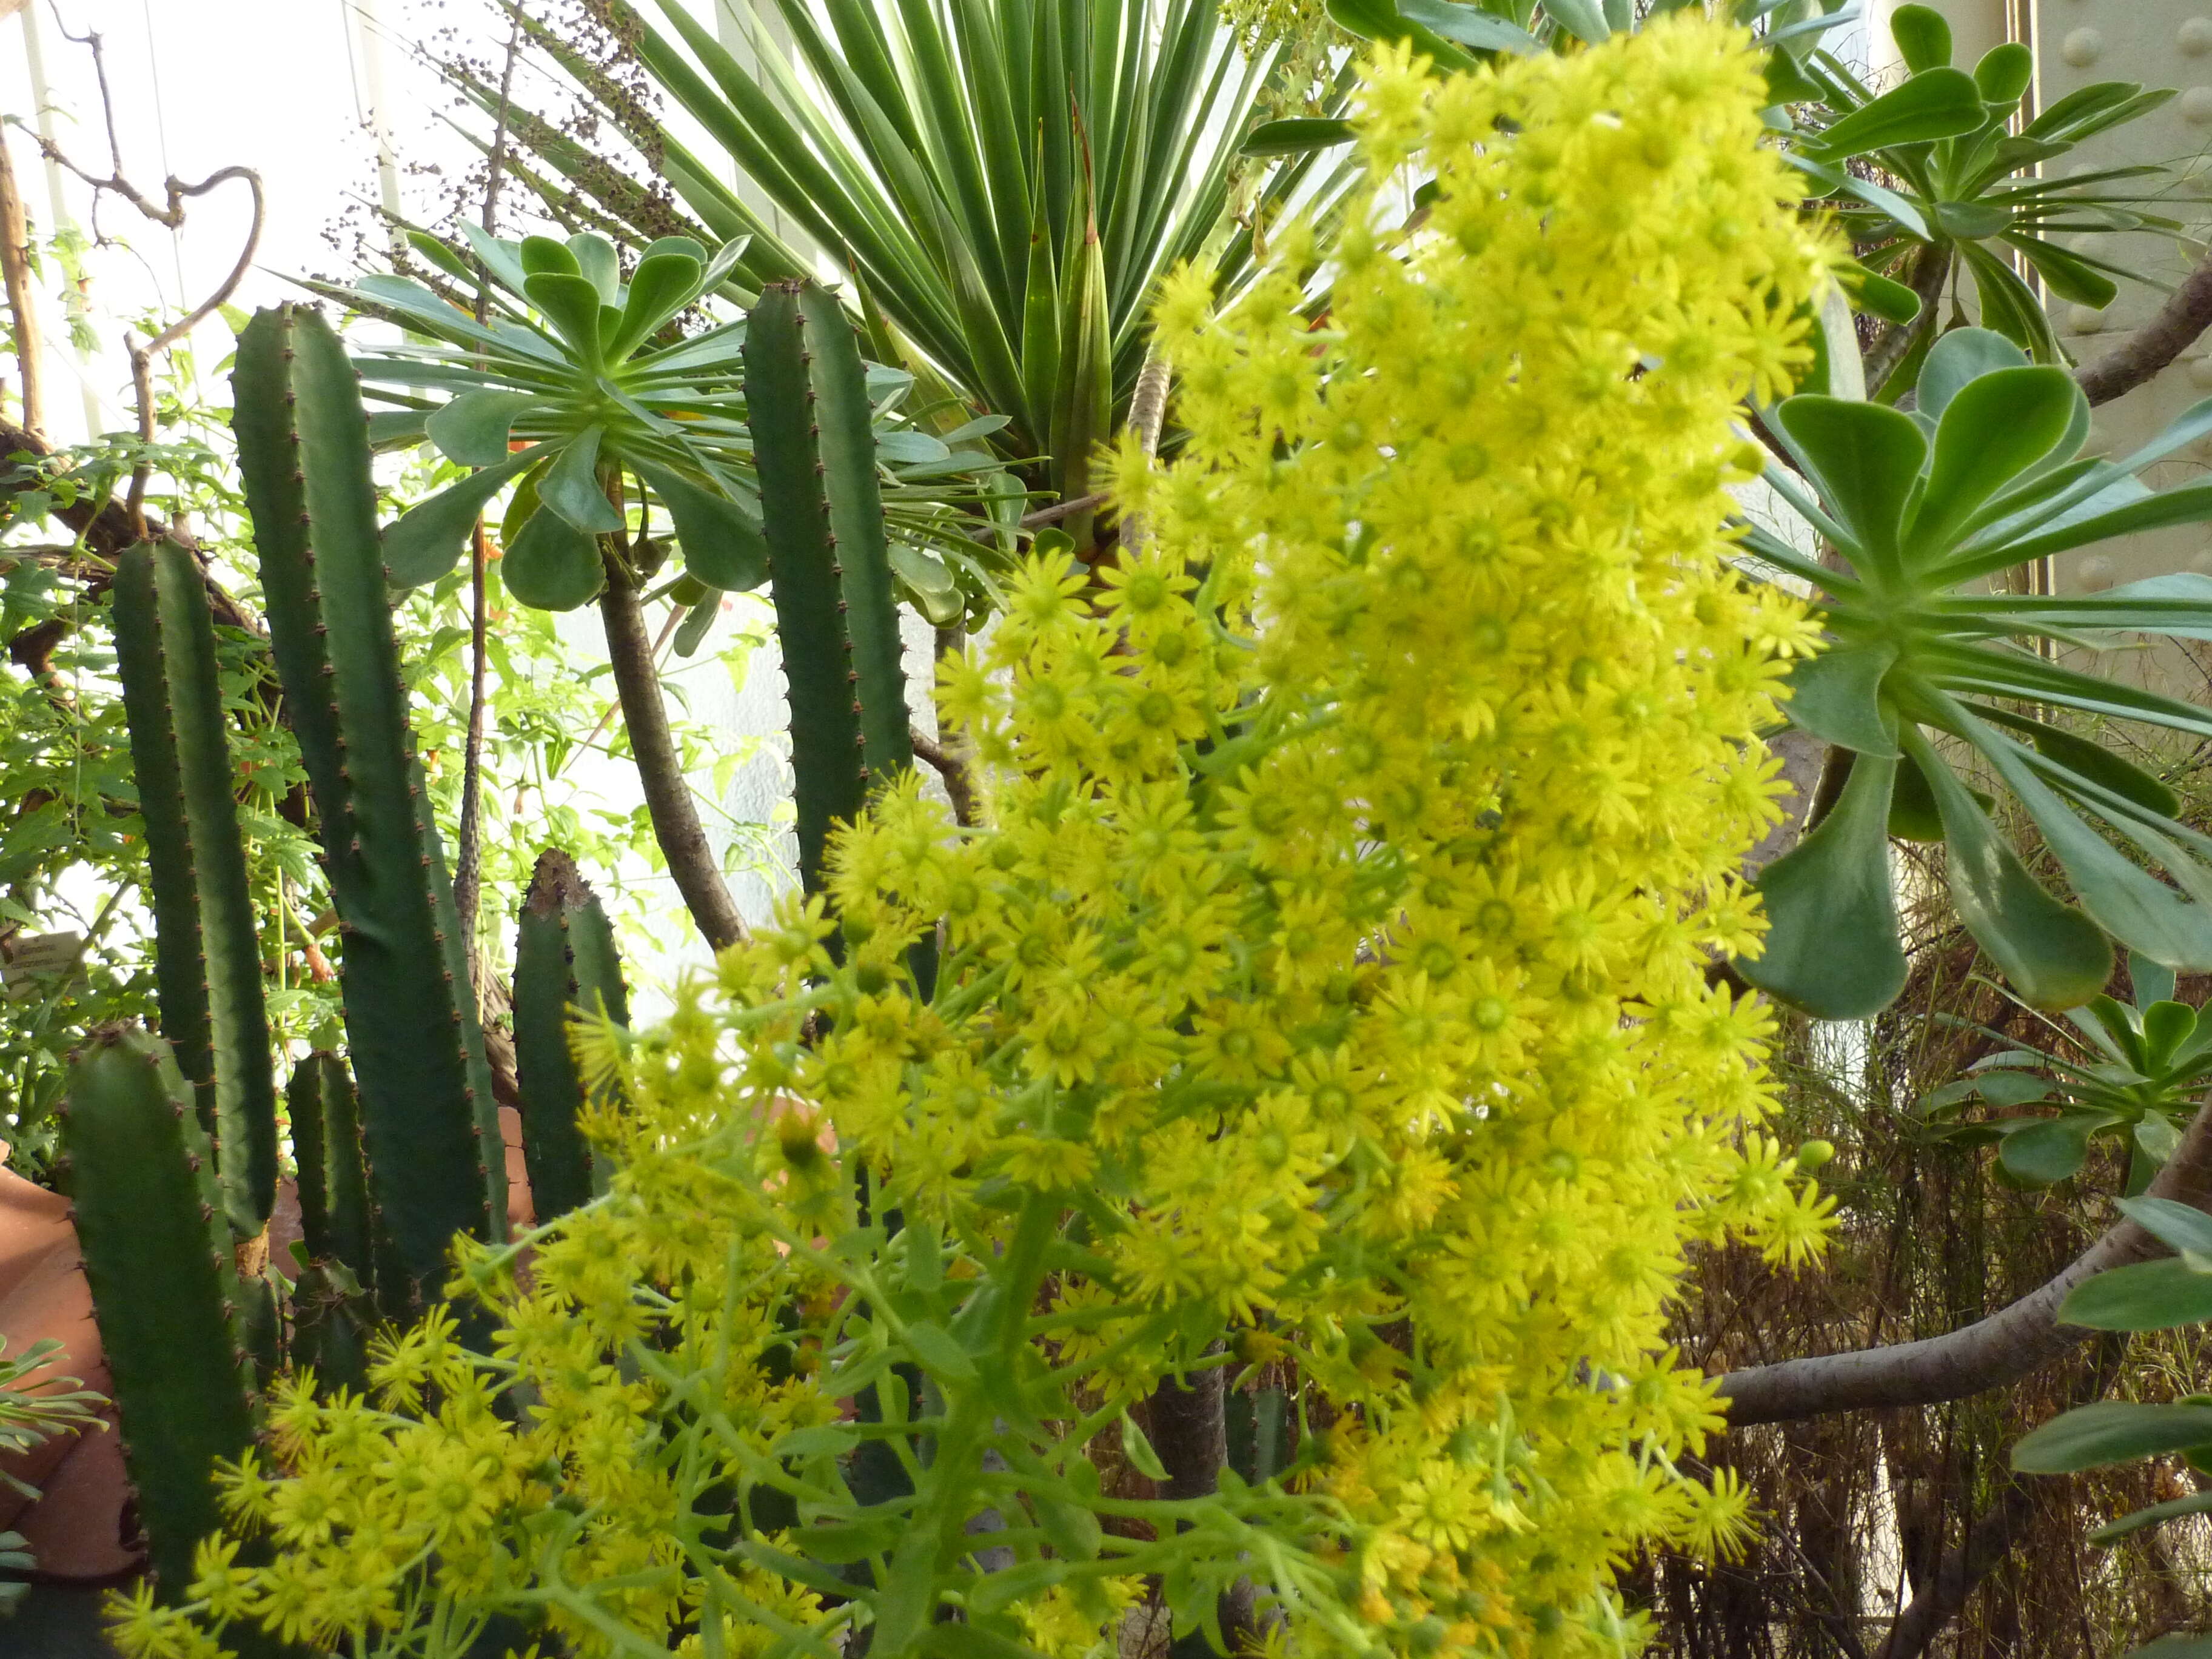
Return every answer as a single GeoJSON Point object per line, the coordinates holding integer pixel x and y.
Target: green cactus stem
{"type": "Point", "coordinates": [157, 1252]}
{"type": "Point", "coordinates": [335, 1220]}
{"type": "Point", "coordinates": [821, 513]}
{"type": "Point", "coordinates": [566, 967]}
{"type": "Point", "coordinates": [207, 947]}
{"type": "Point", "coordinates": [428, 1120]}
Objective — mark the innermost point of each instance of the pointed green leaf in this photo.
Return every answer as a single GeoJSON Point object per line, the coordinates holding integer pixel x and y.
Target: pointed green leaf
{"type": "Point", "coordinates": [2053, 955]}
{"type": "Point", "coordinates": [2198, 1502]}
{"type": "Point", "coordinates": [424, 543]}
{"type": "Point", "coordinates": [2150, 1296]}
{"type": "Point", "coordinates": [551, 565]}
{"type": "Point", "coordinates": [1298, 135]}
{"type": "Point", "coordinates": [722, 542]}
{"type": "Point", "coordinates": [2091, 760]}
{"type": "Point", "coordinates": [1836, 696]}
{"type": "Point", "coordinates": [2110, 1432]}
{"type": "Point", "coordinates": [571, 486]}
{"type": "Point", "coordinates": [1832, 944]}
{"type": "Point", "coordinates": [473, 428]}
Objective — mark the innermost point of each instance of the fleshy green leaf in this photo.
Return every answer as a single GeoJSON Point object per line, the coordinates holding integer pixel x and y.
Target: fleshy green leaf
{"type": "Point", "coordinates": [598, 262]}
{"type": "Point", "coordinates": [473, 428]}
{"type": "Point", "coordinates": [2177, 1225]}
{"type": "Point", "coordinates": [2150, 1296]}
{"type": "Point", "coordinates": [2053, 955]}
{"type": "Point", "coordinates": [1996, 426]}
{"type": "Point", "coordinates": [1865, 458]}
{"type": "Point", "coordinates": [552, 565]}
{"type": "Point", "coordinates": [571, 304]}
{"type": "Point", "coordinates": [1922, 37]}
{"type": "Point", "coordinates": [1831, 944]}
{"type": "Point", "coordinates": [2048, 1151]}
{"type": "Point", "coordinates": [722, 544]}
{"type": "Point", "coordinates": [1836, 696]}
{"type": "Point", "coordinates": [1957, 360]}
{"type": "Point", "coordinates": [571, 486]}
{"type": "Point", "coordinates": [2110, 1432]}
{"type": "Point", "coordinates": [2153, 981]}
{"type": "Point", "coordinates": [424, 543]}
{"type": "Point", "coordinates": [1937, 103]}
{"type": "Point", "coordinates": [542, 256]}
{"type": "Point", "coordinates": [661, 286]}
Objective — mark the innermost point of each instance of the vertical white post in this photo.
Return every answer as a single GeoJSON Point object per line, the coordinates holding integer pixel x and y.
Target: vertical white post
{"type": "Point", "coordinates": [370, 30]}
{"type": "Point", "coordinates": [42, 110]}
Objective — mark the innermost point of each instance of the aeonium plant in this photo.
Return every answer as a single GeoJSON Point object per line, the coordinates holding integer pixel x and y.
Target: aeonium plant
{"type": "Point", "coordinates": [2146, 1065]}
{"type": "Point", "coordinates": [1926, 667]}
{"type": "Point", "coordinates": [578, 391]}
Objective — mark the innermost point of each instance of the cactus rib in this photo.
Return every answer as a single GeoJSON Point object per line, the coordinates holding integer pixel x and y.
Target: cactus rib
{"type": "Point", "coordinates": [157, 1254]}
{"type": "Point", "coordinates": [822, 515]}
{"type": "Point", "coordinates": [565, 966]}
{"type": "Point", "coordinates": [428, 1119]}
{"type": "Point", "coordinates": [208, 950]}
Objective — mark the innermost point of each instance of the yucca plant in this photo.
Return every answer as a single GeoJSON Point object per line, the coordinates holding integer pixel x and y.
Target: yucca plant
{"type": "Point", "coordinates": [1004, 180]}
{"type": "Point", "coordinates": [2144, 1065]}
{"type": "Point", "coordinates": [1924, 667]}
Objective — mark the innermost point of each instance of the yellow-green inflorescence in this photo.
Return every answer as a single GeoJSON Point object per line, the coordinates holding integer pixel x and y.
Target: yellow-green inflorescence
{"type": "Point", "coordinates": [1328, 1003]}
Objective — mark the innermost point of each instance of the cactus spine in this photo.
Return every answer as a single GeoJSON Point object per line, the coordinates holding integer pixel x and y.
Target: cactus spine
{"type": "Point", "coordinates": [836, 614]}
{"type": "Point", "coordinates": [208, 955]}
{"type": "Point", "coordinates": [428, 1120]}
{"type": "Point", "coordinates": [565, 967]}
{"type": "Point", "coordinates": [157, 1253]}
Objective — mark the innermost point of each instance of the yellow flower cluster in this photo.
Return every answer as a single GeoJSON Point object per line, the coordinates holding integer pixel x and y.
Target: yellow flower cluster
{"type": "Point", "coordinates": [1328, 1003]}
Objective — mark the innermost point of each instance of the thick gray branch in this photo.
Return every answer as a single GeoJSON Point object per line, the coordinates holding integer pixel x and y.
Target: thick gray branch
{"type": "Point", "coordinates": [2186, 313]}
{"type": "Point", "coordinates": [1987, 1354]}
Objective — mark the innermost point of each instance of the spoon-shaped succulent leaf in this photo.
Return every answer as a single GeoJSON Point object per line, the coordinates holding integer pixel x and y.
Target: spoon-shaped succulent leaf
{"type": "Point", "coordinates": [572, 305]}
{"type": "Point", "coordinates": [1995, 428]}
{"type": "Point", "coordinates": [722, 542]}
{"type": "Point", "coordinates": [2054, 956]}
{"type": "Point", "coordinates": [1866, 461]}
{"type": "Point", "coordinates": [1831, 944]}
{"type": "Point", "coordinates": [662, 286]}
{"type": "Point", "coordinates": [424, 543]}
{"type": "Point", "coordinates": [474, 429]}
{"type": "Point", "coordinates": [552, 565]}
{"type": "Point", "coordinates": [571, 485]}
{"type": "Point", "coordinates": [1837, 696]}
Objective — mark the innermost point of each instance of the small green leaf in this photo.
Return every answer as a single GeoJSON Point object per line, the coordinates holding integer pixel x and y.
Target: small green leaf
{"type": "Point", "coordinates": [1138, 1450]}
{"type": "Point", "coordinates": [1879, 296]}
{"type": "Point", "coordinates": [2150, 1296]}
{"type": "Point", "coordinates": [1470, 25]}
{"type": "Point", "coordinates": [2165, 1027]}
{"type": "Point", "coordinates": [852, 1540]}
{"type": "Point", "coordinates": [1297, 136]}
{"type": "Point", "coordinates": [2110, 1432]}
{"type": "Point", "coordinates": [542, 256]}
{"type": "Point", "coordinates": [2196, 1503]}
{"type": "Point", "coordinates": [1996, 427]}
{"type": "Point", "coordinates": [2054, 956]}
{"type": "Point", "coordinates": [2157, 1138]}
{"type": "Point", "coordinates": [473, 428]}
{"type": "Point", "coordinates": [722, 542]}
{"type": "Point", "coordinates": [599, 264]}
{"type": "Point", "coordinates": [1922, 37]}
{"type": "Point", "coordinates": [941, 1356]}
{"type": "Point", "coordinates": [662, 284]}
{"type": "Point", "coordinates": [1937, 103]}
{"type": "Point", "coordinates": [2005, 74]}
{"type": "Point", "coordinates": [1831, 944]}
{"type": "Point", "coordinates": [422, 544]}
{"type": "Point", "coordinates": [2049, 1151]}
{"type": "Point", "coordinates": [571, 486]}
{"type": "Point", "coordinates": [1960, 357]}
{"type": "Point", "coordinates": [1865, 457]}
{"type": "Point", "coordinates": [1970, 221]}
{"type": "Point", "coordinates": [2177, 1225]}
{"type": "Point", "coordinates": [2153, 981]}
{"type": "Point", "coordinates": [571, 304]}
{"type": "Point", "coordinates": [552, 565]}
{"type": "Point", "coordinates": [1836, 696]}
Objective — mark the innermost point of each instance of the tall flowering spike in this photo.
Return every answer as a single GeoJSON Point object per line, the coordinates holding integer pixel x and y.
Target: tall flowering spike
{"type": "Point", "coordinates": [1329, 996]}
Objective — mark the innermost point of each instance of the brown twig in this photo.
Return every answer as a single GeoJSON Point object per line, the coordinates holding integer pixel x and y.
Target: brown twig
{"type": "Point", "coordinates": [170, 214]}
{"type": "Point", "coordinates": [959, 784]}
{"type": "Point", "coordinates": [1057, 511]}
{"type": "Point", "coordinates": [15, 271]}
{"type": "Point", "coordinates": [2185, 315]}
